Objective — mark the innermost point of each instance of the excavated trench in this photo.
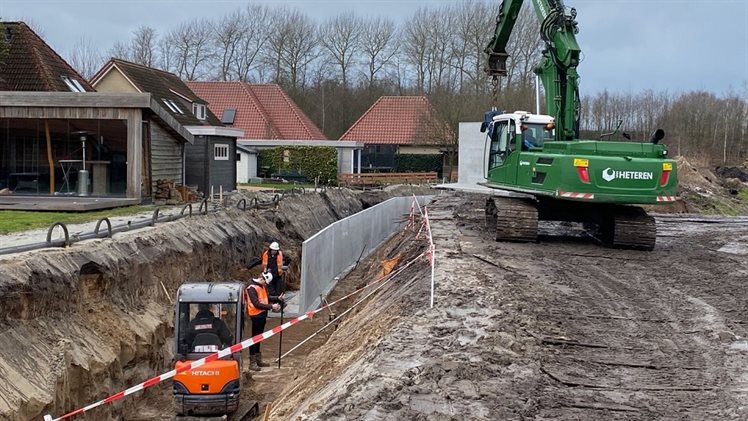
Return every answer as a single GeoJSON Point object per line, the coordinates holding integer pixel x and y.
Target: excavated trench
{"type": "Point", "coordinates": [81, 323]}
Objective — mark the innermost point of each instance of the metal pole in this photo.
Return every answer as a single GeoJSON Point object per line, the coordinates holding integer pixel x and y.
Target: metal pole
{"type": "Point", "coordinates": [537, 94]}
{"type": "Point", "coordinates": [432, 275]}
{"type": "Point", "coordinates": [280, 339]}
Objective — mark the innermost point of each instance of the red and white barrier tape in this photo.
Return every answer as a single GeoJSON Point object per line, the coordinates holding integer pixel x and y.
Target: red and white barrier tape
{"type": "Point", "coordinates": [224, 352]}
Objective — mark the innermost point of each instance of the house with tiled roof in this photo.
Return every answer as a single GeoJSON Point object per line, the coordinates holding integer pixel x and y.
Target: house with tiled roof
{"type": "Point", "coordinates": [209, 159]}
{"type": "Point", "coordinates": [32, 65]}
{"type": "Point", "coordinates": [269, 119]}
{"type": "Point", "coordinates": [64, 146]}
{"type": "Point", "coordinates": [263, 111]}
{"type": "Point", "coordinates": [396, 126]}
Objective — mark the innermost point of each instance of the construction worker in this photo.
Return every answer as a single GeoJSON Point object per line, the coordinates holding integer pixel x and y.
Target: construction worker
{"type": "Point", "coordinates": [272, 261]}
{"type": "Point", "coordinates": [528, 140]}
{"type": "Point", "coordinates": [259, 302]}
{"type": "Point", "coordinates": [207, 333]}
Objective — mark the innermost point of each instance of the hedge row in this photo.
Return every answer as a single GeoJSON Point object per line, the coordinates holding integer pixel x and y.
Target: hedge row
{"type": "Point", "coordinates": [309, 161]}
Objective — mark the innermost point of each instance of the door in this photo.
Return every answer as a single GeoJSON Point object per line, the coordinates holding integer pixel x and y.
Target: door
{"type": "Point", "coordinates": [503, 153]}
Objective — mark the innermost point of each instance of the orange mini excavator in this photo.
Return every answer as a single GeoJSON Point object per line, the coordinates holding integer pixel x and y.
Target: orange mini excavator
{"type": "Point", "coordinates": [208, 319]}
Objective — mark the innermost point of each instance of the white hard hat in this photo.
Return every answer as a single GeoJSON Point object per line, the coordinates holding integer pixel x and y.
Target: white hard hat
{"type": "Point", "coordinates": [274, 246]}
{"type": "Point", "coordinates": [267, 276]}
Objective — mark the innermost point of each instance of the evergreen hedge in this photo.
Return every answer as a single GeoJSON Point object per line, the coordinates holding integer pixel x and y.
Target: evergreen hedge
{"type": "Point", "coordinates": [309, 161]}
{"type": "Point", "coordinates": [418, 163]}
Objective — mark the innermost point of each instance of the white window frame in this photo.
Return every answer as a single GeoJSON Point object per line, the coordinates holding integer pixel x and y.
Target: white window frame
{"type": "Point", "coordinates": [78, 85]}
{"type": "Point", "coordinates": [73, 84]}
{"type": "Point", "coordinates": [176, 107]}
{"type": "Point", "coordinates": [221, 151]}
{"type": "Point", "coordinates": [168, 105]}
{"type": "Point", "coordinates": [199, 110]}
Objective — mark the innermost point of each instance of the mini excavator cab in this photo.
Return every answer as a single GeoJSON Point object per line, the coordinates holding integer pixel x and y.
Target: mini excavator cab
{"type": "Point", "coordinates": [208, 319]}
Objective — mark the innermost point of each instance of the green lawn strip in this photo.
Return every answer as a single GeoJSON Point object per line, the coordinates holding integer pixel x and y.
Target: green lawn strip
{"type": "Point", "coordinates": [14, 221]}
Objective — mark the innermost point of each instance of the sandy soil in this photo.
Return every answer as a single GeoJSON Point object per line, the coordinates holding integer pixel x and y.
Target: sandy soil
{"type": "Point", "coordinates": [562, 329]}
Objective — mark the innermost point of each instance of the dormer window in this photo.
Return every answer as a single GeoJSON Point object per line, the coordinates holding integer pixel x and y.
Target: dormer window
{"type": "Point", "coordinates": [199, 110]}
{"type": "Point", "coordinates": [73, 84]}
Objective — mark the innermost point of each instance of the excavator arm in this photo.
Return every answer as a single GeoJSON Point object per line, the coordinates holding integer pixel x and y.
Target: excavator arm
{"type": "Point", "coordinates": [558, 66]}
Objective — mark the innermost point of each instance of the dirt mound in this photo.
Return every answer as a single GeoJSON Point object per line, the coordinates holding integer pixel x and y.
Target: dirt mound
{"type": "Point", "coordinates": [703, 191]}
{"type": "Point", "coordinates": [733, 172]}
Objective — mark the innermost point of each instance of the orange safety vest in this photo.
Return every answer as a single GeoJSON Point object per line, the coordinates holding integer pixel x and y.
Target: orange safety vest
{"type": "Point", "coordinates": [262, 296]}
{"type": "Point", "coordinates": [278, 261]}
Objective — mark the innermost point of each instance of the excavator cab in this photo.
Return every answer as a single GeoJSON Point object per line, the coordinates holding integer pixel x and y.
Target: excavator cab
{"type": "Point", "coordinates": [208, 319]}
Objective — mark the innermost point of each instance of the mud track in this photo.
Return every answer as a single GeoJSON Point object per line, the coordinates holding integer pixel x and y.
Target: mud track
{"type": "Point", "coordinates": [559, 329]}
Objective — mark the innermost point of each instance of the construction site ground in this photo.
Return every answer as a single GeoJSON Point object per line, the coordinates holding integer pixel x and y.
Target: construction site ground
{"type": "Point", "coordinates": [559, 329]}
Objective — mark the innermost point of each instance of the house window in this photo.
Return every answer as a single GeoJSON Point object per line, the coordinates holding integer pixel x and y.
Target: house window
{"type": "Point", "coordinates": [238, 157]}
{"type": "Point", "coordinates": [221, 152]}
{"type": "Point", "coordinates": [228, 116]}
{"type": "Point", "coordinates": [170, 104]}
{"type": "Point", "coordinates": [199, 110]}
{"type": "Point", "coordinates": [73, 84]}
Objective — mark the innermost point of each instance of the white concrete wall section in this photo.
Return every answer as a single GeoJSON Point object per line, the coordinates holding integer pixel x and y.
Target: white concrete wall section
{"type": "Point", "coordinates": [470, 160]}
{"type": "Point", "coordinates": [334, 250]}
{"type": "Point", "coordinates": [242, 167]}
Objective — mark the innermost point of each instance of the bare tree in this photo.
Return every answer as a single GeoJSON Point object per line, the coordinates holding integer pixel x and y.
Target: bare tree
{"type": "Point", "coordinates": [143, 46]}
{"type": "Point", "coordinates": [85, 58]}
{"type": "Point", "coordinates": [257, 27]}
{"type": "Point", "coordinates": [472, 22]}
{"type": "Point", "coordinates": [379, 45]}
{"type": "Point", "coordinates": [415, 43]}
{"type": "Point", "coordinates": [292, 46]}
{"type": "Point", "coordinates": [119, 50]}
{"type": "Point", "coordinates": [167, 52]}
{"type": "Point", "coordinates": [525, 46]}
{"type": "Point", "coordinates": [340, 37]}
{"type": "Point", "coordinates": [227, 37]}
{"type": "Point", "coordinates": [192, 42]}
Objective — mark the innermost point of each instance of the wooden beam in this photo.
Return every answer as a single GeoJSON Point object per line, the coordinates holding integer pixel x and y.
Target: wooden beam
{"type": "Point", "coordinates": [134, 153]}
{"type": "Point", "coordinates": [50, 158]}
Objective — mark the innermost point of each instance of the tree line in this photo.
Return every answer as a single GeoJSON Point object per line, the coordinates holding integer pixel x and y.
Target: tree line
{"type": "Point", "coordinates": [336, 68]}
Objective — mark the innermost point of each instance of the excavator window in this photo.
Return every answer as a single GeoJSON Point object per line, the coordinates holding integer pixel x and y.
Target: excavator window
{"type": "Point", "coordinates": [499, 144]}
{"type": "Point", "coordinates": [197, 329]}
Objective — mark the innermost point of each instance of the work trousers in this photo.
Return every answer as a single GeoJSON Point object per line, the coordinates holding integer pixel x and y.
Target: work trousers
{"type": "Point", "coordinates": [258, 326]}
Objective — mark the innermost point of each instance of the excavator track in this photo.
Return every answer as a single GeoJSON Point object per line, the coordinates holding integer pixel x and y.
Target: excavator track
{"type": "Point", "coordinates": [512, 219]}
{"type": "Point", "coordinates": [246, 411]}
{"type": "Point", "coordinates": [630, 228]}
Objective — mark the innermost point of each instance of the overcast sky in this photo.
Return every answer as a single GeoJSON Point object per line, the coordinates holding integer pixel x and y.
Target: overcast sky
{"type": "Point", "coordinates": [627, 45]}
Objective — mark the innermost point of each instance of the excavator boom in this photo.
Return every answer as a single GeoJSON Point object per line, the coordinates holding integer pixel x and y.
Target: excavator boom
{"type": "Point", "coordinates": [558, 66]}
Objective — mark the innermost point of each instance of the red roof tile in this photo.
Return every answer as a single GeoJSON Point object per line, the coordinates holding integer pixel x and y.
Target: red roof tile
{"type": "Point", "coordinates": [263, 111]}
{"type": "Point", "coordinates": [400, 120]}
{"type": "Point", "coordinates": [32, 65]}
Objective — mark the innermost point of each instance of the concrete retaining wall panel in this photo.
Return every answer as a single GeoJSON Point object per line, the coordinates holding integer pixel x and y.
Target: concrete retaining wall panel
{"type": "Point", "coordinates": [336, 249]}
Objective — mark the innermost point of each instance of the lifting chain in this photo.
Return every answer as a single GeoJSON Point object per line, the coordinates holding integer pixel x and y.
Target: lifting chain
{"type": "Point", "coordinates": [495, 92]}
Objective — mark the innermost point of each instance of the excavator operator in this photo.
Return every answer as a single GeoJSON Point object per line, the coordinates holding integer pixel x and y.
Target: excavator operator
{"type": "Point", "coordinates": [528, 140]}
{"type": "Point", "coordinates": [207, 333]}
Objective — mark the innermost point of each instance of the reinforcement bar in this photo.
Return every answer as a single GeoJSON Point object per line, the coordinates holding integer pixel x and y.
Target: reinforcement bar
{"type": "Point", "coordinates": [226, 351]}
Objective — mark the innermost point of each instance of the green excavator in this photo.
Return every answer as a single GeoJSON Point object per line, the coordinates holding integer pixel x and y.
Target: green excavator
{"type": "Point", "coordinates": [550, 173]}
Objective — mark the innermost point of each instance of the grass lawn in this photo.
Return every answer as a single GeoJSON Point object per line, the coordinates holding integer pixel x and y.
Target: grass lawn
{"type": "Point", "coordinates": [13, 221]}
